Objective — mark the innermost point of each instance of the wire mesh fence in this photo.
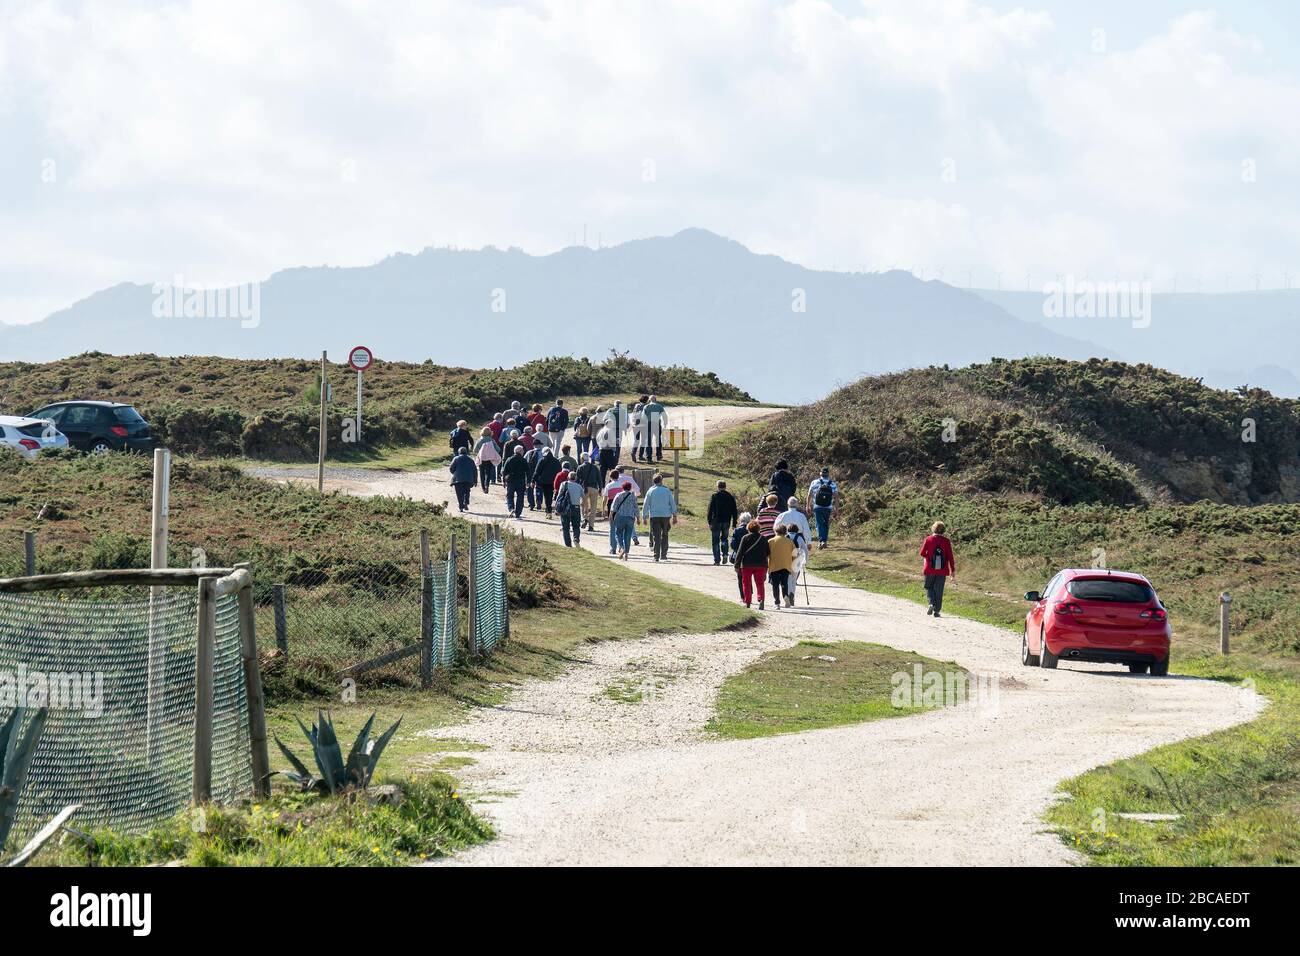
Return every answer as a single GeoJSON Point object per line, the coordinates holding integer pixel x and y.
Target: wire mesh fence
{"type": "Point", "coordinates": [116, 669]}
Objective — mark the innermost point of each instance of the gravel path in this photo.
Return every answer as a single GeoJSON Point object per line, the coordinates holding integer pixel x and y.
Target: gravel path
{"type": "Point", "coordinates": [574, 776]}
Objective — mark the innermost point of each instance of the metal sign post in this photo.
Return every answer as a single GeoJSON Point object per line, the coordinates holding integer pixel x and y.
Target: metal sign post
{"type": "Point", "coordinates": [360, 358]}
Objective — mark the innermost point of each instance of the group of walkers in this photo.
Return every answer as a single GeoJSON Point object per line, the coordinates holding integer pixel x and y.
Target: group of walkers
{"type": "Point", "coordinates": [524, 450]}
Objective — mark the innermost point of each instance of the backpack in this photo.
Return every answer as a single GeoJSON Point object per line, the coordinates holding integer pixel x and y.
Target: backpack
{"type": "Point", "coordinates": [562, 501]}
{"type": "Point", "coordinates": [936, 557]}
{"type": "Point", "coordinates": [824, 496]}
{"type": "Point", "coordinates": [452, 438]}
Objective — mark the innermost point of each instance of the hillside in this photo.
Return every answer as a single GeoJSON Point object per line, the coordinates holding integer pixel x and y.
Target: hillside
{"type": "Point", "coordinates": [693, 293]}
{"type": "Point", "coordinates": [266, 408]}
{"type": "Point", "coordinates": [1227, 338]}
{"type": "Point", "coordinates": [1095, 432]}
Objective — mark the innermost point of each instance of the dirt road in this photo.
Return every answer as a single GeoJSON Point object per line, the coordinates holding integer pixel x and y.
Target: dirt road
{"type": "Point", "coordinates": [572, 775]}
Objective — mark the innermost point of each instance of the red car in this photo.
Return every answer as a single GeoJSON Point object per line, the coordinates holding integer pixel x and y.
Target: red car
{"type": "Point", "coordinates": [1107, 617]}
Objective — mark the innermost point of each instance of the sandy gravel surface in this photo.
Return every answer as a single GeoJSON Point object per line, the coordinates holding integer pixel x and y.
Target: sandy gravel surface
{"type": "Point", "coordinates": [572, 775]}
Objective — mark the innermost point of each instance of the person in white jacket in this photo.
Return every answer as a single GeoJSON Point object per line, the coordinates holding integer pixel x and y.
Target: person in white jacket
{"type": "Point", "coordinates": [488, 455]}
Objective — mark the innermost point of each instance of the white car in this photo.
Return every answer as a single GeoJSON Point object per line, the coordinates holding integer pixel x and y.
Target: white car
{"type": "Point", "coordinates": [29, 436]}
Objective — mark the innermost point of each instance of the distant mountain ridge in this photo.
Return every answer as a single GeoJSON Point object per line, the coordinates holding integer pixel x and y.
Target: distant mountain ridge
{"type": "Point", "coordinates": [693, 298]}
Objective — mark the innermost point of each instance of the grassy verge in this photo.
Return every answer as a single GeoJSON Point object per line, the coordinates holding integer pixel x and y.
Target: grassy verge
{"type": "Point", "coordinates": [1235, 794]}
{"type": "Point", "coordinates": [814, 685]}
{"type": "Point", "coordinates": [427, 820]}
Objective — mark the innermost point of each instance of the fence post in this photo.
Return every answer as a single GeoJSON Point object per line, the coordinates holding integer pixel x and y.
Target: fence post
{"type": "Point", "coordinates": [253, 692]}
{"type": "Point", "coordinates": [157, 649]}
{"type": "Point", "coordinates": [281, 619]}
{"type": "Point", "coordinates": [205, 653]}
{"type": "Point", "coordinates": [29, 552]}
{"type": "Point", "coordinates": [426, 611]}
{"type": "Point", "coordinates": [1225, 602]}
{"type": "Point", "coordinates": [472, 592]}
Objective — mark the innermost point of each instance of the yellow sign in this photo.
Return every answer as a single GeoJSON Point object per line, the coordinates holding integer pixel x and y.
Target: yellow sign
{"type": "Point", "coordinates": [677, 439]}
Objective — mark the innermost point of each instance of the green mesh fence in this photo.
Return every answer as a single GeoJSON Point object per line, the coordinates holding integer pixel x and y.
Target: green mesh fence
{"type": "Point", "coordinates": [118, 740]}
{"type": "Point", "coordinates": [446, 615]}
{"type": "Point", "coordinates": [490, 595]}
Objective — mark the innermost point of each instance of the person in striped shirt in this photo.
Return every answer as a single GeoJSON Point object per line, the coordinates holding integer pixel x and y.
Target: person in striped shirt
{"type": "Point", "coordinates": [767, 516]}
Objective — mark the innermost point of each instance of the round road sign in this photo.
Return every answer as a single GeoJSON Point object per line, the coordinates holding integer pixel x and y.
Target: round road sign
{"type": "Point", "coordinates": [361, 358]}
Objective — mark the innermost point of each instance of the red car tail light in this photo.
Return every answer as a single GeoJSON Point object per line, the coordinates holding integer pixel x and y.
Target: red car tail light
{"type": "Point", "coordinates": [29, 443]}
{"type": "Point", "coordinates": [1068, 607]}
{"type": "Point", "coordinates": [118, 430]}
{"type": "Point", "coordinates": [1153, 614]}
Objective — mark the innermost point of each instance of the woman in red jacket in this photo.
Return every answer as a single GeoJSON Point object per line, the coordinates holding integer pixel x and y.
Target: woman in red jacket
{"type": "Point", "coordinates": [939, 564]}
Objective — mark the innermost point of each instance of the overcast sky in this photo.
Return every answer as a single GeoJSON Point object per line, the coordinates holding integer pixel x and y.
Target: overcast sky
{"type": "Point", "coordinates": [225, 140]}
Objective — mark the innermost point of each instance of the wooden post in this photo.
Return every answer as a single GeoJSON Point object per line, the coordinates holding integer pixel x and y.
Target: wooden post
{"type": "Point", "coordinates": [677, 474]}
{"type": "Point", "coordinates": [156, 674]}
{"type": "Point", "coordinates": [324, 421]}
{"type": "Point", "coordinates": [253, 693]}
{"type": "Point", "coordinates": [1225, 603]}
{"type": "Point", "coordinates": [281, 619]}
{"type": "Point", "coordinates": [204, 659]}
{"type": "Point", "coordinates": [426, 611]}
{"type": "Point", "coordinates": [29, 552]}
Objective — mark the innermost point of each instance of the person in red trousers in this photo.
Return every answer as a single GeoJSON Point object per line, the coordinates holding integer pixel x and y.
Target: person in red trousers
{"type": "Point", "coordinates": [751, 563]}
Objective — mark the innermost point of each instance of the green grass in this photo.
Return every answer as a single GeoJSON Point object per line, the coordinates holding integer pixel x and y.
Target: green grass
{"type": "Point", "coordinates": [797, 689]}
{"type": "Point", "coordinates": [642, 682]}
{"type": "Point", "coordinates": [1236, 792]}
{"type": "Point", "coordinates": [296, 829]}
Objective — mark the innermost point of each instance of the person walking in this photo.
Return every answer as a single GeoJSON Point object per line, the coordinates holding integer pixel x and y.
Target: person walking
{"type": "Point", "coordinates": [656, 421]}
{"type": "Point", "coordinates": [526, 438]}
{"type": "Point", "coordinates": [497, 426]}
{"type": "Point", "coordinates": [660, 509]}
{"type": "Point", "coordinates": [557, 423]}
{"type": "Point", "coordinates": [460, 436]}
{"type": "Point", "coordinates": [514, 474]}
{"type": "Point", "coordinates": [568, 505]}
{"type": "Point", "coordinates": [582, 433]}
{"type": "Point", "coordinates": [822, 495]}
{"type": "Point", "coordinates": [464, 473]}
{"type": "Point", "coordinates": [794, 519]}
{"type": "Point", "coordinates": [780, 566]}
{"type": "Point", "coordinates": [623, 518]}
{"type": "Point", "coordinates": [783, 482]}
{"type": "Point", "coordinates": [590, 478]}
{"type": "Point", "coordinates": [940, 565]}
{"type": "Point", "coordinates": [767, 516]}
{"type": "Point", "coordinates": [488, 456]}
{"type": "Point", "coordinates": [741, 529]}
{"type": "Point", "coordinates": [636, 422]}
{"type": "Point", "coordinates": [545, 468]}
{"type": "Point", "coordinates": [751, 562]}
{"type": "Point", "coordinates": [617, 479]}
{"type": "Point", "coordinates": [567, 461]}
{"type": "Point", "coordinates": [721, 516]}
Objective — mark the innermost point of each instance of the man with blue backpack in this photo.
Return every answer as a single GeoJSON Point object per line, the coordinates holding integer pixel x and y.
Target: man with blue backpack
{"type": "Point", "coordinates": [821, 500]}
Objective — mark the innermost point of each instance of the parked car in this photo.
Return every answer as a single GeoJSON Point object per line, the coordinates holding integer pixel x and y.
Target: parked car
{"type": "Point", "coordinates": [1108, 617]}
{"type": "Point", "coordinates": [98, 427]}
{"type": "Point", "coordinates": [29, 436]}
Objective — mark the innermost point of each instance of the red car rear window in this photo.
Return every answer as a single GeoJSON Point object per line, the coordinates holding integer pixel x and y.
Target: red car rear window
{"type": "Point", "coordinates": [1110, 589]}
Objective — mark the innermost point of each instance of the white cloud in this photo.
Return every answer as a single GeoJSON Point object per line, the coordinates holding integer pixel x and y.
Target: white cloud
{"type": "Point", "coordinates": [228, 139]}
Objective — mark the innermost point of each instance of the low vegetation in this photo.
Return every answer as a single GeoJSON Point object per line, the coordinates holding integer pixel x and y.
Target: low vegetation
{"type": "Point", "coordinates": [815, 684]}
{"type": "Point", "coordinates": [267, 408]}
{"type": "Point", "coordinates": [1054, 431]}
{"type": "Point", "coordinates": [409, 822]}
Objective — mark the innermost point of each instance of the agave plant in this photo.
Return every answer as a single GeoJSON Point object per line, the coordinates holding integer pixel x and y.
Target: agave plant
{"type": "Point", "coordinates": [16, 753]}
{"type": "Point", "coordinates": [335, 773]}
